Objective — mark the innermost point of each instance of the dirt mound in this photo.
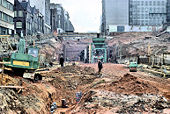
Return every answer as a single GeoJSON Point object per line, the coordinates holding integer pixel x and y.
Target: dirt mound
{"type": "Point", "coordinates": [67, 87]}
{"type": "Point", "coordinates": [130, 84]}
{"type": "Point", "coordinates": [77, 70]}
{"type": "Point", "coordinates": [12, 103]}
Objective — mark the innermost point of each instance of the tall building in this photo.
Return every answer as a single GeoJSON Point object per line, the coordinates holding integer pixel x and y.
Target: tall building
{"type": "Point", "coordinates": [57, 17]}
{"type": "Point", "coordinates": [147, 12]}
{"type": "Point", "coordinates": [115, 15]}
{"type": "Point", "coordinates": [133, 15]}
{"type": "Point", "coordinates": [168, 12]}
{"type": "Point", "coordinates": [44, 8]}
{"type": "Point", "coordinates": [60, 19]}
{"type": "Point", "coordinates": [27, 19]}
{"type": "Point", "coordinates": [47, 16]}
{"type": "Point", "coordinates": [6, 17]}
{"type": "Point", "coordinates": [68, 26]}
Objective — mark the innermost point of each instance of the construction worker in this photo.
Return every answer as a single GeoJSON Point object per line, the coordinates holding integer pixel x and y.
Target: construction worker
{"type": "Point", "coordinates": [62, 61]}
{"type": "Point", "coordinates": [100, 66]}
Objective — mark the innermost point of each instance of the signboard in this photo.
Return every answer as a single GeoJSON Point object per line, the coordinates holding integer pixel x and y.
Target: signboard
{"type": "Point", "coordinates": [112, 28]}
{"type": "Point", "coordinates": [20, 63]}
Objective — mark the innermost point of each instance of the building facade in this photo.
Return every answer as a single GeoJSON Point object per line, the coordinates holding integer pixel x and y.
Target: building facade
{"type": "Point", "coordinates": [23, 18]}
{"type": "Point", "coordinates": [47, 17]}
{"type": "Point", "coordinates": [6, 17]}
{"type": "Point", "coordinates": [44, 8]}
{"type": "Point", "coordinates": [168, 12]}
{"type": "Point", "coordinates": [27, 20]}
{"type": "Point", "coordinates": [147, 12]}
{"type": "Point", "coordinates": [68, 26]}
{"type": "Point", "coordinates": [115, 15]}
{"type": "Point", "coordinates": [60, 19]}
{"type": "Point", "coordinates": [37, 21]}
{"type": "Point", "coordinates": [133, 15]}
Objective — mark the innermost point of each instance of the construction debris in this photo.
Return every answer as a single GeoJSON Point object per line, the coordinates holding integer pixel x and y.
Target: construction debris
{"type": "Point", "coordinates": [130, 84]}
{"type": "Point", "coordinates": [102, 101]}
{"type": "Point", "coordinates": [77, 88]}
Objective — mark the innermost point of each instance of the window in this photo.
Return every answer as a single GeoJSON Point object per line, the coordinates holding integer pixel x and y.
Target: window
{"type": "Point", "coordinates": [10, 6]}
{"type": "Point", "coordinates": [20, 14]}
{"type": "Point", "coordinates": [158, 3]}
{"type": "Point", "coordinates": [0, 15]}
{"type": "Point", "coordinates": [15, 13]}
{"type": "Point", "coordinates": [4, 3]}
{"type": "Point", "coordinates": [33, 52]}
{"type": "Point", "coordinates": [11, 20]}
{"type": "Point", "coordinates": [4, 16]}
{"type": "Point", "coordinates": [163, 3]}
{"type": "Point", "coordinates": [18, 24]}
{"type": "Point", "coordinates": [163, 9]}
{"type": "Point", "coordinates": [150, 3]}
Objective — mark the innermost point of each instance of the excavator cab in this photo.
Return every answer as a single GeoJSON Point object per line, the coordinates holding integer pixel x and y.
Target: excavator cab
{"type": "Point", "coordinates": [33, 52]}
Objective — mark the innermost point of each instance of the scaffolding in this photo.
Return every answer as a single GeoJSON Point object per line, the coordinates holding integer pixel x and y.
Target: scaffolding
{"type": "Point", "coordinates": [98, 50]}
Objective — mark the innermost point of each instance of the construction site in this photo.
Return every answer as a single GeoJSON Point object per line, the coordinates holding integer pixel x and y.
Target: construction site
{"type": "Point", "coordinates": [134, 78]}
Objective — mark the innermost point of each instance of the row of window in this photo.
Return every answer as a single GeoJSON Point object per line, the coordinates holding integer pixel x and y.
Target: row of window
{"type": "Point", "coordinates": [158, 9]}
{"type": "Point", "coordinates": [146, 22]}
{"type": "Point", "coordinates": [6, 18]}
{"type": "Point", "coordinates": [147, 17]}
{"type": "Point", "coordinates": [18, 13]}
{"type": "Point", "coordinates": [146, 3]}
{"type": "Point", "coordinates": [6, 4]}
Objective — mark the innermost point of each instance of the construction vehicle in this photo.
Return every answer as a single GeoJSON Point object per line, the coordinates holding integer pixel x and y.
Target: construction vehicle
{"type": "Point", "coordinates": [25, 60]}
{"type": "Point", "coordinates": [133, 66]}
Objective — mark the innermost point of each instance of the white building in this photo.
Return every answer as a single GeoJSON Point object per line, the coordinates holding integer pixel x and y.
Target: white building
{"type": "Point", "coordinates": [6, 17]}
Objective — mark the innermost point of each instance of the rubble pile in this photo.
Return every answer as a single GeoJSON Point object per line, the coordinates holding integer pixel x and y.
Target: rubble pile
{"type": "Point", "coordinates": [102, 101]}
{"type": "Point", "coordinates": [7, 80]}
{"type": "Point", "coordinates": [69, 80]}
{"type": "Point", "coordinates": [13, 103]}
{"type": "Point", "coordinates": [130, 84]}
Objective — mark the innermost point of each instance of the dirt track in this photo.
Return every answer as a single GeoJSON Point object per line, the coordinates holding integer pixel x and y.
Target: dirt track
{"type": "Point", "coordinates": [116, 71]}
{"type": "Point", "coordinates": [117, 90]}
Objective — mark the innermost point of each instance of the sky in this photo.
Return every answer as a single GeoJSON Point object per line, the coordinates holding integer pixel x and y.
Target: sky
{"type": "Point", "coordinates": [85, 15]}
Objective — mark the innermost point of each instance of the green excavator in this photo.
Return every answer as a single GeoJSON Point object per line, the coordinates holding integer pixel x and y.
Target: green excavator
{"type": "Point", "coordinates": [25, 60]}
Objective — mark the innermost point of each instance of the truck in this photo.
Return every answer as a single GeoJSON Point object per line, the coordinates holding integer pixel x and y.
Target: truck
{"type": "Point", "coordinates": [133, 66]}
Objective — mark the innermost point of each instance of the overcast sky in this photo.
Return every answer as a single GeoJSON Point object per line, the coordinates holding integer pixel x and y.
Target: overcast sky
{"type": "Point", "coordinates": [84, 14]}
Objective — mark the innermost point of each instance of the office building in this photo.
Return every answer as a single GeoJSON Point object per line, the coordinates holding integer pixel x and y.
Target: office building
{"type": "Point", "coordinates": [60, 19]}
{"type": "Point", "coordinates": [27, 20]}
{"type": "Point", "coordinates": [44, 7]}
{"type": "Point", "coordinates": [6, 17]}
{"type": "Point", "coordinates": [168, 12]}
{"type": "Point", "coordinates": [133, 15]}
{"type": "Point", "coordinates": [147, 12]}
{"type": "Point", "coordinates": [115, 15]}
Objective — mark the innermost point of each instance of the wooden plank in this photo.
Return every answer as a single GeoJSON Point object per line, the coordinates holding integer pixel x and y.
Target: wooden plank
{"type": "Point", "coordinates": [5, 62]}
{"type": "Point", "coordinates": [12, 87]}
